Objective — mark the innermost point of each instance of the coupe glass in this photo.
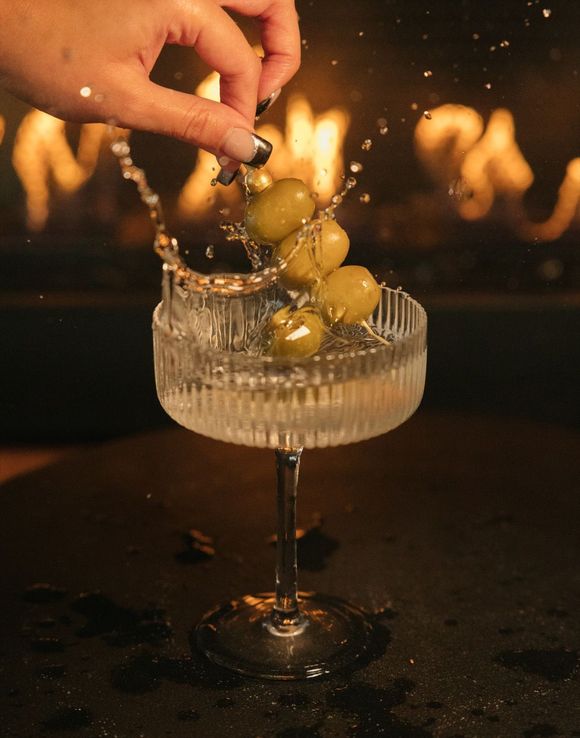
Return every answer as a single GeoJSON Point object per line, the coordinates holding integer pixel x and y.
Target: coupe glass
{"type": "Point", "coordinates": [208, 382]}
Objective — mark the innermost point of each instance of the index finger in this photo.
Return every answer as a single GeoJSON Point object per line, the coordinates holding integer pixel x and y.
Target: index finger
{"type": "Point", "coordinates": [222, 45]}
{"type": "Point", "coordinates": [280, 39]}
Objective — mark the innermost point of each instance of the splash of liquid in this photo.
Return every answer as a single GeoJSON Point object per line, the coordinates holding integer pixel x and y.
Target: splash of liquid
{"type": "Point", "coordinates": [167, 246]}
{"type": "Point", "coordinates": [262, 277]}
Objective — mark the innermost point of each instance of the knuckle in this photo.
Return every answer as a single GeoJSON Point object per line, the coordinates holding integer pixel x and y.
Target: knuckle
{"type": "Point", "coordinates": [288, 64]}
{"type": "Point", "coordinates": [198, 125]}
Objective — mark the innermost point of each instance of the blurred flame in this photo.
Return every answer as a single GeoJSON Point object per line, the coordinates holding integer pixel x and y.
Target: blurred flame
{"type": "Point", "coordinates": [442, 141]}
{"type": "Point", "coordinates": [311, 148]}
{"type": "Point", "coordinates": [197, 194]}
{"type": "Point", "coordinates": [453, 144]}
{"type": "Point", "coordinates": [564, 212]}
{"type": "Point", "coordinates": [41, 150]}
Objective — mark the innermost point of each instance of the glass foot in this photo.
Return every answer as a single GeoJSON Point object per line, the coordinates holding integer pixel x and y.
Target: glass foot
{"type": "Point", "coordinates": [239, 635]}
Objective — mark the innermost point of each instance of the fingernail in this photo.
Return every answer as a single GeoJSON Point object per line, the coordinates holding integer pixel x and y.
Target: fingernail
{"type": "Point", "coordinates": [247, 147]}
{"type": "Point", "coordinates": [267, 102]}
{"type": "Point", "coordinates": [227, 176]}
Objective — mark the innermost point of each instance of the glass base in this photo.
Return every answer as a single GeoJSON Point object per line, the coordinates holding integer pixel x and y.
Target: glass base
{"type": "Point", "coordinates": [240, 636]}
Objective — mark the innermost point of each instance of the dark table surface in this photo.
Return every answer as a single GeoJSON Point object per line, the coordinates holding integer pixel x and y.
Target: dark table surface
{"type": "Point", "coordinates": [459, 534]}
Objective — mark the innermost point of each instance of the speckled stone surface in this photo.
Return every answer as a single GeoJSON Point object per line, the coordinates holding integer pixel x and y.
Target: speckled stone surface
{"type": "Point", "coordinates": [460, 534]}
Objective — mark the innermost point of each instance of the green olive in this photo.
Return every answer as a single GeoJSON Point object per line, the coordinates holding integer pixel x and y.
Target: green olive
{"type": "Point", "coordinates": [322, 250]}
{"type": "Point", "coordinates": [296, 333]}
{"type": "Point", "coordinates": [258, 180]}
{"type": "Point", "coordinates": [349, 295]}
{"type": "Point", "coordinates": [278, 210]}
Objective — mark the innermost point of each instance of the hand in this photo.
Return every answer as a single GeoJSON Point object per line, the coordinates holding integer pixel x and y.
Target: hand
{"type": "Point", "coordinates": [90, 60]}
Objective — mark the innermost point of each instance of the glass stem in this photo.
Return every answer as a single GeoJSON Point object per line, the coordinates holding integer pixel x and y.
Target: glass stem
{"type": "Point", "coordinates": [286, 615]}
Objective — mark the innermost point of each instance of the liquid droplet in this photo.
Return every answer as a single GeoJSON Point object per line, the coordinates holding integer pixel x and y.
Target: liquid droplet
{"type": "Point", "coordinates": [85, 91]}
{"type": "Point", "coordinates": [209, 252]}
{"type": "Point", "coordinates": [427, 73]}
{"type": "Point", "coordinates": [350, 183]}
{"type": "Point", "coordinates": [213, 182]}
{"type": "Point", "coordinates": [367, 144]}
{"type": "Point", "coordinates": [487, 85]}
{"type": "Point", "coordinates": [355, 167]}
{"type": "Point", "coordinates": [336, 199]}
{"type": "Point", "coordinates": [382, 125]}
{"type": "Point", "coordinates": [546, 12]}
{"type": "Point", "coordinates": [427, 115]}
{"type": "Point", "coordinates": [414, 106]}
{"type": "Point", "coordinates": [504, 44]}
{"type": "Point", "coordinates": [365, 198]}
{"type": "Point", "coordinates": [334, 62]}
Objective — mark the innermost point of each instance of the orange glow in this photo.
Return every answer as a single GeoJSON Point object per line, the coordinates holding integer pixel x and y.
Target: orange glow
{"type": "Point", "coordinates": [564, 212]}
{"type": "Point", "coordinates": [2, 128]}
{"type": "Point", "coordinates": [494, 166]}
{"type": "Point", "coordinates": [197, 194]}
{"type": "Point", "coordinates": [442, 141]}
{"type": "Point", "coordinates": [311, 148]}
{"type": "Point", "coordinates": [41, 151]}
{"type": "Point", "coordinates": [453, 144]}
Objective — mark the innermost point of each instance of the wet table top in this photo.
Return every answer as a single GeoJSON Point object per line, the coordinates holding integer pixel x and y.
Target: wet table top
{"type": "Point", "coordinates": [460, 535]}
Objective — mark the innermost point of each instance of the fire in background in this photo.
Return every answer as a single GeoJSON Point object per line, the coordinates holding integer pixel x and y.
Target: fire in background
{"type": "Point", "coordinates": [473, 164]}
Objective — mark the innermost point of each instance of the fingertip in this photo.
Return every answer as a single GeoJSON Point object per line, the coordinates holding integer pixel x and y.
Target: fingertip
{"type": "Point", "coordinates": [277, 71]}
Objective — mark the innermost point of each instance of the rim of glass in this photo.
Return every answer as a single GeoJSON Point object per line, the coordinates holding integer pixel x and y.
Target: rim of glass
{"type": "Point", "coordinates": [402, 342]}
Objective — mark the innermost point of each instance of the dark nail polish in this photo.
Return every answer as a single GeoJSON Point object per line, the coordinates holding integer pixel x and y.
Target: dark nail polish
{"type": "Point", "coordinates": [262, 149]}
{"type": "Point", "coordinates": [226, 176]}
{"type": "Point", "coordinates": [266, 103]}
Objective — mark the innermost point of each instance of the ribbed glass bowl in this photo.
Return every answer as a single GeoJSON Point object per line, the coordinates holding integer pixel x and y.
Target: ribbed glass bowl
{"type": "Point", "coordinates": [207, 382]}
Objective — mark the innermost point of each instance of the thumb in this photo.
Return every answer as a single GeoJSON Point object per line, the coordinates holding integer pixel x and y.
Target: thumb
{"type": "Point", "coordinates": [204, 123]}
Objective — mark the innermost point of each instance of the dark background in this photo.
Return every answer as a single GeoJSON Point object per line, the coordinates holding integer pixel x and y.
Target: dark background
{"type": "Point", "coordinates": [76, 297]}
